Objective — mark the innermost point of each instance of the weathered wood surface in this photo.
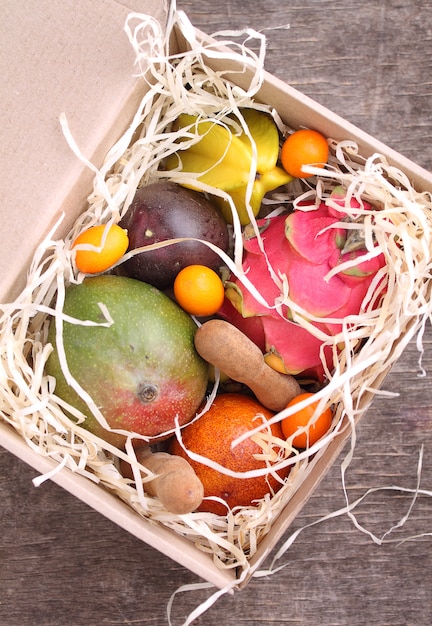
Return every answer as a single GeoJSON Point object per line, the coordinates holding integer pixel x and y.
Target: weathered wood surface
{"type": "Point", "coordinates": [62, 564]}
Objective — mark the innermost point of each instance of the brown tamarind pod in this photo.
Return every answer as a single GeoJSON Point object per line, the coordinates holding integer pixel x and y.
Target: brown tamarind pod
{"type": "Point", "coordinates": [175, 484]}
{"type": "Point", "coordinates": [233, 353]}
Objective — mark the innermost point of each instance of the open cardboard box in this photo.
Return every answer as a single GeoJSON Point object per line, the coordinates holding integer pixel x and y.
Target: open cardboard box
{"type": "Point", "coordinates": [88, 72]}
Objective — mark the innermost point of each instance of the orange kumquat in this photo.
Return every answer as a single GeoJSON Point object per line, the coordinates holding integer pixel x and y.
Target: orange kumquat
{"type": "Point", "coordinates": [299, 421]}
{"type": "Point", "coordinates": [114, 244]}
{"type": "Point", "coordinates": [304, 147]}
{"type": "Point", "coordinates": [199, 290]}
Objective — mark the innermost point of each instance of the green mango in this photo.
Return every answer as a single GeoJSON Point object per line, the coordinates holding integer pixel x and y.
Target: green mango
{"type": "Point", "coordinates": [141, 371]}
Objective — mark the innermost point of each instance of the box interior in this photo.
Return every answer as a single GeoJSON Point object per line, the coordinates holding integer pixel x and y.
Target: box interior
{"type": "Point", "coordinates": [62, 68]}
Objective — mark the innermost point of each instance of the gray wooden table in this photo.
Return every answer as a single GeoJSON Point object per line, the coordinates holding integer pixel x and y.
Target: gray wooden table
{"type": "Point", "coordinates": [62, 564]}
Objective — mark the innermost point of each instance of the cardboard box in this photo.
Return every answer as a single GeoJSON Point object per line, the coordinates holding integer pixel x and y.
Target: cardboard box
{"type": "Point", "coordinates": [90, 78]}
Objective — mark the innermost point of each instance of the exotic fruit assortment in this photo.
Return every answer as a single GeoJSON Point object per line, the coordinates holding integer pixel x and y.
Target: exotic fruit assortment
{"type": "Point", "coordinates": [213, 310]}
{"type": "Point", "coordinates": [215, 316]}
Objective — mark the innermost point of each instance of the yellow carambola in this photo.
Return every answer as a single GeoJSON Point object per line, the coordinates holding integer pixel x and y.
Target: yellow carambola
{"type": "Point", "coordinates": [223, 158]}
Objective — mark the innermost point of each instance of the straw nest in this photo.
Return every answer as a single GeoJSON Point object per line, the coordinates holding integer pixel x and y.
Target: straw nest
{"type": "Point", "coordinates": [399, 224]}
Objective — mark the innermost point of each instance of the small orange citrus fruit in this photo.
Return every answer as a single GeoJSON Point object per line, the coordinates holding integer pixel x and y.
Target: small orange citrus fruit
{"type": "Point", "coordinates": [199, 290]}
{"type": "Point", "coordinates": [114, 244]}
{"type": "Point", "coordinates": [304, 147]}
{"type": "Point", "coordinates": [308, 435]}
{"type": "Point", "coordinates": [230, 416]}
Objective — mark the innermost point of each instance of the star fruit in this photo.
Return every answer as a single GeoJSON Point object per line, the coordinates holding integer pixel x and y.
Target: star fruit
{"type": "Point", "coordinates": [304, 247]}
{"type": "Point", "coordinates": [223, 158]}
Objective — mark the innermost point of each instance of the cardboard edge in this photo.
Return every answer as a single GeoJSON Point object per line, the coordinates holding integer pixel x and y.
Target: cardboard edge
{"type": "Point", "coordinates": [162, 539]}
{"type": "Point", "coordinates": [309, 485]}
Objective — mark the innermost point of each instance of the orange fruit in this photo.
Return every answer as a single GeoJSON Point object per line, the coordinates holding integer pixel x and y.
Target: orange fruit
{"type": "Point", "coordinates": [231, 415]}
{"type": "Point", "coordinates": [199, 290]}
{"type": "Point", "coordinates": [304, 147]}
{"type": "Point", "coordinates": [299, 421]}
{"type": "Point", "coordinates": [114, 244]}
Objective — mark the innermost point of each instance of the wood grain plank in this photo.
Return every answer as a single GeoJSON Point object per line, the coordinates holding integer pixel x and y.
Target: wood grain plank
{"type": "Point", "coordinates": [62, 564]}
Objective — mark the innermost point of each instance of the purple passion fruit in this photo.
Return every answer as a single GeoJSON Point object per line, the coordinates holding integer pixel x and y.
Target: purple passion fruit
{"type": "Point", "coordinates": [165, 210]}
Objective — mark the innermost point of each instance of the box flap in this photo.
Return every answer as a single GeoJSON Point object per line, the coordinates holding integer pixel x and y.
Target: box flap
{"type": "Point", "coordinates": [57, 58]}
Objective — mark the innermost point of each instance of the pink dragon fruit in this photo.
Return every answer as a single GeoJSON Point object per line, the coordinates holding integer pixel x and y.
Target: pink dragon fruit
{"type": "Point", "coordinates": [304, 246]}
